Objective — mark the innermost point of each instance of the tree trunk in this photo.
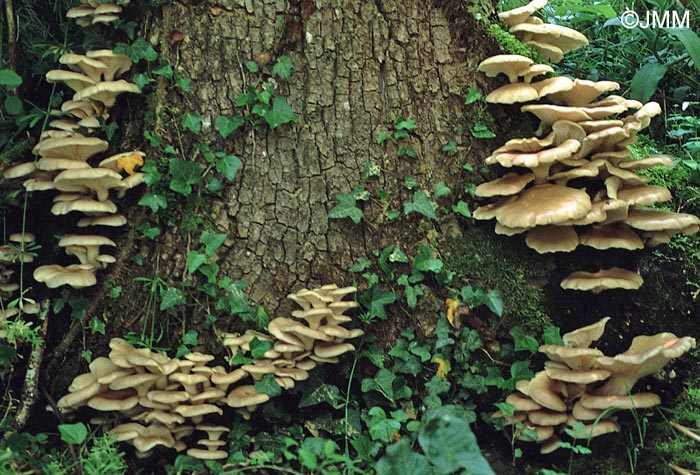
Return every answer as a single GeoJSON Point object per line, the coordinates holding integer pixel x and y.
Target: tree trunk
{"type": "Point", "coordinates": [357, 66]}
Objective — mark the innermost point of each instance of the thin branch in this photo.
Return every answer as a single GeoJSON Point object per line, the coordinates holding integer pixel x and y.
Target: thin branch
{"type": "Point", "coordinates": [11, 34]}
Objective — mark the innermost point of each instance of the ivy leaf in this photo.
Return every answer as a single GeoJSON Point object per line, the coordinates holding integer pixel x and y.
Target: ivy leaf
{"type": "Point", "coordinates": [481, 131]}
{"type": "Point", "coordinates": [171, 297]}
{"type": "Point", "coordinates": [212, 242]}
{"type": "Point", "coordinates": [421, 205]}
{"type": "Point", "coordinates": [441, 190]}
{"type": "Point", "coordinates": [155, 201]}
{"type": "Point", "coordinates": [551, 336]}
{"type": "Point", "coordinates": [283, 67]}
{"type": "Point", "coordinates": [268, 385]}
{"type": "Point", "coordinates": [259, 347]}
{"type": "Point", "coordinates": [462, 208]}
{"type": "Point", "coordinates": [322, 393]}
{"type": "Point", "coordinates": [192, 122]}
{"type": "Point", "coordinates": [184, 174]}
{"type": "Point", "coordinates": [138, 50]}
{"type": "Point", "coordinates": [183, 84]}
{"type": "Point", "coordinates": [228, 166]}
{"type": "Point", "coordinates": [194, 261]}
{"type": "Point", "coordinates": [191, 338]}
{"type": "Point", "coordinates": [375, 299]}
{"type": "Point", "coordinates": [227, 126]}
{"type": "Point", "coordinates": [383, 382]}
{"type": "Point", "coordinates": [472, 96]}
{"type": "Point", "coordinates": [346, 208]}
{"type": "Point", "coordinates": [73, 433]}
{"type": "Point", "coordinates": [280, 112]}
{"type": "Point", "coordinates": [424, 261]}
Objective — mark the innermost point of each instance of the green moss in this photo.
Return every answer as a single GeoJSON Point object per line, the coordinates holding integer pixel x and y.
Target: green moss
{"type": "Point", "coordinates": [676, 447]}
{"type": "Point", "coordinates": [486, 260]}
{"type": "Point", "coordinates": [512, 45]}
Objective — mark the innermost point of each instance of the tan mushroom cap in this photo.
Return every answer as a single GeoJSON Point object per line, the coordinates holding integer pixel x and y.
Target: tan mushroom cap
{"type": "Point", "coordinates": [533, 71]}
{"type": "Point", "coordinates": [53, 164]}
{"type": "Point", "coordinates": [513, 93]}
{"type": "Point", "coordinates": [543, 391]}
{"type": "Point", "coordinates": [74, 148]}
{"type": "Point", "coordinates": [19, 171]}
{"type": "Point", "coordinates": [549, 114]}
{"type": "Point", "coordinates": [648, 219]}
{"type": "Point", "coordinates": [99, 180]}
{"type": "Point", "coordinates": [88, 66]}
{"type": "Point", "coordinates": [549, 52]}
{"type": "Point", "coordinates": [544, 204]}
{"type": "Point", "coordinates": [528, 145]}
{"type": "Point", "coordinates": [519, 15]}
{"type": "Point", "coordinates": [207, 454]}
{"type": "Point", "coordinates": [508, 64]}
{"type": "Point", "coordinates": [644, 163]}
{"type": "Point", "coordinates": [594, 430]}
{"type": "Point", "coordinates": [198, 410]}
{"type": "Point", "coordinates": [566, 39]}
{"type": "Point", "coordinates": [553, 85]}
{"type": "Point", "coordinates": [509, 184]}
{"type": "Point", "coordinates": [152, 436]}
{"type": "Point", "coordinates": [544, 239]}
{"type": "Point", "coordinates": [545, 417]}
{"type": "Point", "coordinates": [627, 401]}
{"type": "Point", "coordinates": [117, 64]}
{"type": "Point", "coordinates": [244, 396]}
{"type": "Point", "coordinates": [584, 336]}
{"type": "Point", "coordinates": [112, 220]}
{"type": "Point", "coordinates": [86, 205]}
{"type": "Point", "coordinates": [521, 403]}
{"type": "Point", "coordinates": [583, 92]}
{"type": "Point", "coordinates": [646, 355]}
{"type": "Point", "coordinates": [76, 81]}
{"type": "Point", "coordinates": [604, 279]}
{"type": "Point", "coordinates": [574, 358]}
{"type": "Point", "coordinates": [611, 236]}
{"type": "Point", "coordinates": [577, 376]}
{"type": "Point", "coordinates": [581, 413]}
{"type": "Point", "coordinates": [113, 401]}
{"type": "Point", "coordinates": [76, 275]}
{"type": "Point", "coordinates": [127, 431]}
{"type": "Point", "coordinates": [106, 92]}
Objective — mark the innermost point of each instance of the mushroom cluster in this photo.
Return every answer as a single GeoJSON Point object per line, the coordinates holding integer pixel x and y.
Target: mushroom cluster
{"type": "Point", "coordinates": [575, 183]}
{"type": "Point", "coordinates": [581, 384]}
{"type": "Point", "coordinates": [91, 12]}
{"type": "Point", "coordinates": [167, 399]}
{"type": "Point", "coordinates": [67, 154]}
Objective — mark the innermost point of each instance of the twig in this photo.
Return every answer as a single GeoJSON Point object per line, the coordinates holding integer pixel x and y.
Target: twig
{"type": "Point", "coordinates": [11, 34]}
{"type": "Point", "coordinates": [31, 378]}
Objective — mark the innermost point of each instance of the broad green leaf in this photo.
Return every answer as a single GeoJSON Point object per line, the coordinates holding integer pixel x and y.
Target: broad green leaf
{"type": "Point", "coordinates": [421, 205]}
{"type": "Point", "coordinates": [401, 460]}
{"type": "Point", "coordinates": [192, 122]}
{"type": "Point", "coordinates": [138, 50]}
{"type": "Point", "coordinates": [184, 84]}
{"type": "Point", "coordinates": [481, 131]}
{"type": "Point", "coordinates": [523, 341]}
{"type": "Point", "coordinates": [212, 242]}
{"type": "Point", "coordinates": [449, 444]}
{"type": "Point", "coordinates": [380, 426]}
{"type": "Point", "coordinates": [280, 112]}
{"type": "Point", "coordinates": [252, 66]}
{"type": "Point", "coordinates": [646, 80]}
{"type": "Point", "coordinates": [227, 126]}
{"type": "Point", "coordinates": [13, 105]}
{"type": "Point", "coordinates": [268, 385]}
{"type": "Point", "coordinates": [283, 67]}
{"type": "Point", "coordinates": [690, 40]}
{"type": "Point", "coordinates": [383, 382]}
{"type": "Point", "coordinates": [346, 208]}
{"type": "Point", "coordinates": [10, 79]}
{"type": "Point", "coordinates": [73, 433]}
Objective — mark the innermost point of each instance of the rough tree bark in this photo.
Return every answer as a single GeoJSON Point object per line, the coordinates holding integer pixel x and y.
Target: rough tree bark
{"type": "Point", "coordinates": [357, 66]}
